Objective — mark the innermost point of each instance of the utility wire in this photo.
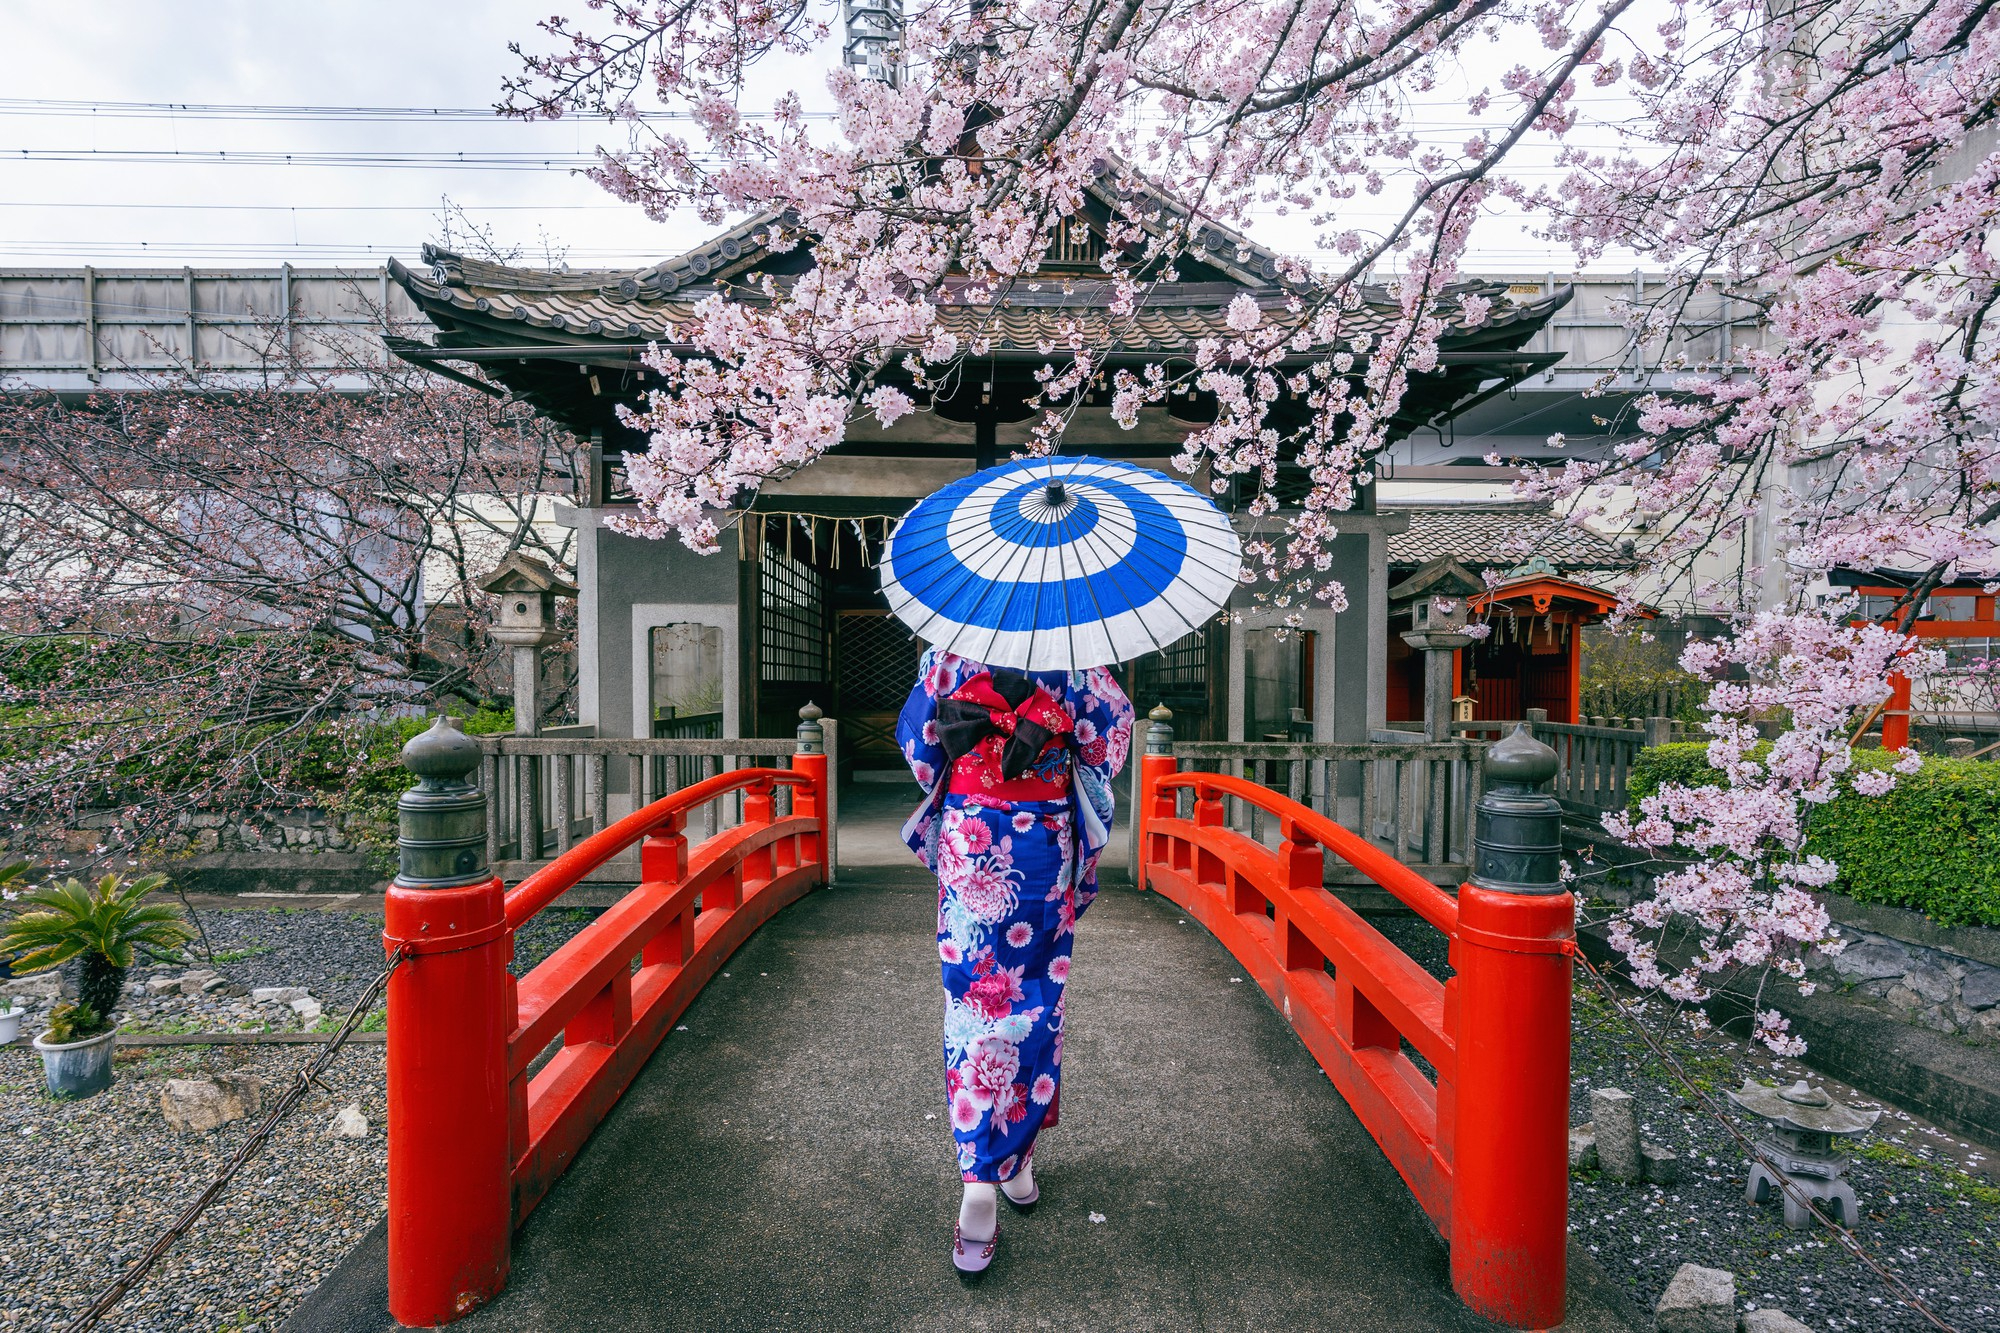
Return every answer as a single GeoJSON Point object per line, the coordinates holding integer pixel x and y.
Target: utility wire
{"type": "Point", "coordinates": [56, 106]}
{"type": "Point", "coordinates": [53, 106]}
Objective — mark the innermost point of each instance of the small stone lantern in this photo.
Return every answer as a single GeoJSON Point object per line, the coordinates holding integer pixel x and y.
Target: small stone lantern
{"type": "Point", "coordinates": [1439, 615]}
{"type": "Point", "coordinates": [1439, 597]}
{"type": "Point", "coordinates": [1800, 1125]}
{"type": "Point", "coordinates": [527, 590]}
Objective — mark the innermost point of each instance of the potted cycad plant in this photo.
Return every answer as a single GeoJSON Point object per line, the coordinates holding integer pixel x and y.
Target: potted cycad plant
{"type": "Point", "coordinates": [104, 927]}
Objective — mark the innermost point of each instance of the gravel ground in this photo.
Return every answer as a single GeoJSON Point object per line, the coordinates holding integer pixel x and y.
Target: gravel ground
{"type": "Point", "coordinates": [89, 1184]}
{"type": "Point", "coordinates": [336, 954]}
{"type": "Point", "coordinates": [1929, 1203]}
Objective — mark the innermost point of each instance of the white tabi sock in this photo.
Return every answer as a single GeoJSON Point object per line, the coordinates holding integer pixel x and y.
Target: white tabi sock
{"type": "Point", "coordinates": [1022, 1184]}
{"type": "Point", "coordinates": [978, 1215]}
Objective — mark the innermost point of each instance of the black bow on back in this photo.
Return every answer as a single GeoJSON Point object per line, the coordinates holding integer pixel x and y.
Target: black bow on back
{"type": "Point", "coordinates": [962, 724]}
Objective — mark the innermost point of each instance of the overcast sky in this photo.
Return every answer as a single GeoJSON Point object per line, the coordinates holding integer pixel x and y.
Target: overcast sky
{"type": "Point", "coordinates": [90, 182]}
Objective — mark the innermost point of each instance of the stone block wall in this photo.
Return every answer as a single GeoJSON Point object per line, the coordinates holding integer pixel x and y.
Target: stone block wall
{"type": "Point", "coordinates": [1945, 978]}
{"type": "Point", "coordinates": [239, 850]}
{"type": "Point", "coordinates": [302, 831]}
{"type": "Point", "coordinates": [1929, 986]}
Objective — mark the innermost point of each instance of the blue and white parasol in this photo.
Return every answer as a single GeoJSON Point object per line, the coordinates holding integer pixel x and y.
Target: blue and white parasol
{"type": "Point", "coordinates": [1060, 564]}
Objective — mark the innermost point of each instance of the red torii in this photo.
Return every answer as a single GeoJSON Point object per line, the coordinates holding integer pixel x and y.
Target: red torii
{"type": "Point", "coordinates": [1895, 713]}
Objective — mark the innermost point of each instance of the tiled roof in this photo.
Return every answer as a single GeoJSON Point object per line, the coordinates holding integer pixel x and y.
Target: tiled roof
{"type": "Point", "coordinates": [1115, 186]}
{"type": "Point", "coordinates": [605, 306]}
{"type": "Point", "coordinates": [1503, 536]}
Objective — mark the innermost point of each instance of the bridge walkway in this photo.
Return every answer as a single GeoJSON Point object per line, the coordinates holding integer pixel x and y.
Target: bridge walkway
{"type": "Point", "coordinates": [783, 1161]}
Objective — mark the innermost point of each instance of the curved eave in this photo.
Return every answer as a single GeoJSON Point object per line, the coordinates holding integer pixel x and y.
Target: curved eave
{"type": "Point", "coordinates": [1596, 600]}
{"type": "Point", "coordinates": [572, 344]}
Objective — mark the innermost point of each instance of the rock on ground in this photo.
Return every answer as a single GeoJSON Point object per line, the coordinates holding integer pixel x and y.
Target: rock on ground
{"type": "Point", "coordinates": [198, 1105]}
{"type": "Point", "coordinates": [1698, 1300]}
{"type": "Point", "coordinates": [1770, 1321]}
{"type": "Point", "coordinates": [90, 1184]}
{"type": "Point", "coordinates": [1657, 1166]}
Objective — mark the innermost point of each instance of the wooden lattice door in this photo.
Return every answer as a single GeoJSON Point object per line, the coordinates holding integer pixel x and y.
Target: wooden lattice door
{"type": "Point", "coordinates": [877, 664]}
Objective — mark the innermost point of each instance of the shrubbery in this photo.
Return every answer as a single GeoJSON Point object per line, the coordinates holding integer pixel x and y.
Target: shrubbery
{"type": "Point", "coordinates": [360, 773]}
{"type": "Point", "coordinates": [1931, 844]}
{"type": "Point", "coordinates": [349, 768]}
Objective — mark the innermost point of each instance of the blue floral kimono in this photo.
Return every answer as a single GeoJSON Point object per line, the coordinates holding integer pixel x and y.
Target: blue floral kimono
{"type": "Point", "coordinates": [1013, 877]}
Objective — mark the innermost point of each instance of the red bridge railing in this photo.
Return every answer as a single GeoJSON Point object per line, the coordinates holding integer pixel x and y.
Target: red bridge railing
{"type": "Point", "coordinates": [1482, 1141]}
{"type": "Point", "coordinates": [480, 1125]}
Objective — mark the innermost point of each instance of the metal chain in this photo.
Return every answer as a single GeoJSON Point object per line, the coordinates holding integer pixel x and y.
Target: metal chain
{"type": "Point", "coordinates": [1897, 1287]}
{"type": "Point", "coordinates": [132, 1276]}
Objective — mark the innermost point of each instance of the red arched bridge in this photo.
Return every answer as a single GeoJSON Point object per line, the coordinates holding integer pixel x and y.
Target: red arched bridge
{"type": "Point", "coordinates": [775, 1164]}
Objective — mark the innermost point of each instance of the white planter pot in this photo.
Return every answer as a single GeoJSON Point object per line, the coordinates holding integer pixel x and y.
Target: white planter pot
{"type": "Point", "coordinates": [10, 1025]}
{"type": "Point", "coordinates": [78, 1068]}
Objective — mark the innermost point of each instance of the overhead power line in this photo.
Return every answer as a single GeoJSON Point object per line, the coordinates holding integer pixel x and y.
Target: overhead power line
{"type": "Point", "coordinates": [424, 159]}
{"type": "Point", "coordinates": [54, 106]}
{"type": "Point", "coordinates": [392, 159]}
{"type": "Point", "coordinates": [226, 207]}
{"type": "Point", "coordinates": [51, 106]}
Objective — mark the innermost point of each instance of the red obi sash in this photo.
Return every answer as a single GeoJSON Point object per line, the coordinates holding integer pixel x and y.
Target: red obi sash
{"type": "Point", "coordinates": [983, 770]}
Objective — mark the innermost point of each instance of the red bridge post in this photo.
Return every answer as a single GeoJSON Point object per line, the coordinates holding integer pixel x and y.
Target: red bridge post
{"type": "Point", "coordinates": [450, 1013]}
{"type": "Point", "coordinates": [1516, 936]}
{"type": "Point", "coordinates": [810, 759]}
{"type": "Point", "coordinates": [1157, 763]}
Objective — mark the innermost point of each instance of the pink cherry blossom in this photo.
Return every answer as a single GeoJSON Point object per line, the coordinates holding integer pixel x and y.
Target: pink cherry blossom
{"type": "Point", "coordinates": [1821, 170]}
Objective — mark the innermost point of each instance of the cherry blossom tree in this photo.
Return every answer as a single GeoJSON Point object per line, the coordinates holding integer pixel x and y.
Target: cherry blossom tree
{"type": "Point", "coordinates": [1830, 162]}
{"type": "Point", "coordinates": [1833, 163]}
{"type": "Point", "coordinates": [201, 575]}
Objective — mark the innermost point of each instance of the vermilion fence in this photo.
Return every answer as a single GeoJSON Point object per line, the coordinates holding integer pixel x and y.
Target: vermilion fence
{"type": "Point", "coordinates": [689, 913]}
{"type": "Point", "coordinates": [483, 1116]}
{"type": "Point", "coordinates": [1481, 1139]}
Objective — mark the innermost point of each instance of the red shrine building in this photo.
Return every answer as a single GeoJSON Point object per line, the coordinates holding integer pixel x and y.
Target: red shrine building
{"type": "Point", "coordinates": [1532, 656]}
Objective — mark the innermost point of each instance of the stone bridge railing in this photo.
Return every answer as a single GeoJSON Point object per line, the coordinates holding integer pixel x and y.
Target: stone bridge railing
{"type": "Point", "coordinates": [547, 793]}
{"type": "Point", "coordinates": [1410, 797]}
{"type": "Point", "coordinates": [1594, 758]}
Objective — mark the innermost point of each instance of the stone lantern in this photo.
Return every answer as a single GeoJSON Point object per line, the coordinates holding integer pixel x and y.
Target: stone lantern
{"type": "Point", "coordinates": [1439, 598]}
{"type": "Point", "coordinates": [527, 590]}
{"type": "Point", "coordinates": [1797, 1140]}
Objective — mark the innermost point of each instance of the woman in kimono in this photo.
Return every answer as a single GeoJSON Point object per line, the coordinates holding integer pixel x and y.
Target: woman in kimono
{"type": "Point", "coordinates": [1017, 771]}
